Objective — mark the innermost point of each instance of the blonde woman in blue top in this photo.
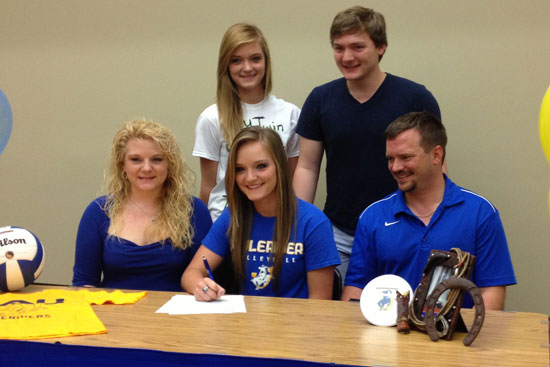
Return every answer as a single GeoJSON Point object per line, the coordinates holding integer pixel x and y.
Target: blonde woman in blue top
{"type": "Point", "coordinates": [146, 229]}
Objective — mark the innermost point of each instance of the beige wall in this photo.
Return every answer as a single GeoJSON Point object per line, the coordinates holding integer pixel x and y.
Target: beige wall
{"type": "Point", "coordinates": [75, 70]}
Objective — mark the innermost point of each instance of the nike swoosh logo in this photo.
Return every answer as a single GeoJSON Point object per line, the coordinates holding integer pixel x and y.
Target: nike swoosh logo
{"type": "Point", "coordinates": [389, 224]}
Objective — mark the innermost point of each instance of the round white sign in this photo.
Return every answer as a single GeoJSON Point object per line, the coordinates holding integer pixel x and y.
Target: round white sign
{"type": "Point", "coordinates": [378, 300]}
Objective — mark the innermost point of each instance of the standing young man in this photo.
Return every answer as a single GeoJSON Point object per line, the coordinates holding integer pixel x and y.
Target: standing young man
{"type": "Point", "coordinates": [347, 118]}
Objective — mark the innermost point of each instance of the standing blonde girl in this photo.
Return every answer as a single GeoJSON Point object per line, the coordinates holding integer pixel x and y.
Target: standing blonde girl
{"type": "Point", "coordinates": [242, 99]}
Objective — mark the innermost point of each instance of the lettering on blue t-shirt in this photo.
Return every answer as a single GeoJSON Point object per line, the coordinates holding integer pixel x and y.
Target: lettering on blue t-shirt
{"type": "Point", "coordinates": [267, 246]}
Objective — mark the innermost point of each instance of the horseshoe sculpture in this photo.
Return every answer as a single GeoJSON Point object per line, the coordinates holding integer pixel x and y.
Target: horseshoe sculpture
{"type": "Point", "coordinates": [466, 286]}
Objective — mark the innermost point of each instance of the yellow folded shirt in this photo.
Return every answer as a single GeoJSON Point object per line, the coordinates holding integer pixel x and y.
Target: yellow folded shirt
{"type": "Point", "coordinates": [56, 312]}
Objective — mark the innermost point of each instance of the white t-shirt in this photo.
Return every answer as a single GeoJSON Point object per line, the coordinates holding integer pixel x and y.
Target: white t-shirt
{"type": "Point", "coordinates": [272, 112]}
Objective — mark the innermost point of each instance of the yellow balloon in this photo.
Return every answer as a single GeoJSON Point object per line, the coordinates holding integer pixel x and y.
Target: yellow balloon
{"type": "Point", "coordinates": [544, 129]}
{"type": "Point", "coordinates": [544, 124]}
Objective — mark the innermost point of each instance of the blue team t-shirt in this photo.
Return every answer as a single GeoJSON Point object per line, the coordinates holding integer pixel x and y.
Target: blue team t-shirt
{"type": "Point", "coordinates": [311, 248]}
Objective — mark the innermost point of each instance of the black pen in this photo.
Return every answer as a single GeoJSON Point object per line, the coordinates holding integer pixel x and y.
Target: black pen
{"type": "Point", "coordinates": [208, 270]}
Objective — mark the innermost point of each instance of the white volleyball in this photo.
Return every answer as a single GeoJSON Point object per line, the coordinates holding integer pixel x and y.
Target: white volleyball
{"type": "Point", "coordinates": [21, 258]}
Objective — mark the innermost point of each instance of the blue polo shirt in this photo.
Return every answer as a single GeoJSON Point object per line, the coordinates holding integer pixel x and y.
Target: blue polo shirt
{"type": "Point", "coordinates": [390, 239]}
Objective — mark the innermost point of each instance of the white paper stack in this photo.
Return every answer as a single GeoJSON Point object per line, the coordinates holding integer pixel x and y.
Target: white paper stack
{"type": "Point", "coordinates": [187, 305]}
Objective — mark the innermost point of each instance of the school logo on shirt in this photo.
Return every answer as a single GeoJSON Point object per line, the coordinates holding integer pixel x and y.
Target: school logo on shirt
{"type": "Point", "coordinates": [21, 309]}
{"type": "Point", "coordinates": [262, 278]}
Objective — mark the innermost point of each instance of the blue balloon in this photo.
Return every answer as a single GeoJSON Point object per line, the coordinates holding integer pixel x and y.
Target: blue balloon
{"type": "Point", "coordinates": [5, 121]}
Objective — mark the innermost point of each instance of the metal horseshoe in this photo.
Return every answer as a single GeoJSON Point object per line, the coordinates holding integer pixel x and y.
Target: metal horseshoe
{"type": "Point", "coordinates": [467, 286]}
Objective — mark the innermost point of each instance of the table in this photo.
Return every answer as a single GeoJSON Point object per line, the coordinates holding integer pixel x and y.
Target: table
{"type": "Point", "coordinates": [317, 331]}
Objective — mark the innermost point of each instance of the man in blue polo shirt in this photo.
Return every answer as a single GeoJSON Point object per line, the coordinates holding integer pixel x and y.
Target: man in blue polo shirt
{"type": "Point", "coordinates": [396, 234]}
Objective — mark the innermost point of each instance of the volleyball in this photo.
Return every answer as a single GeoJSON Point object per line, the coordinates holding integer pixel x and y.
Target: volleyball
{"type": "Point", "coordinates": [21, 258]}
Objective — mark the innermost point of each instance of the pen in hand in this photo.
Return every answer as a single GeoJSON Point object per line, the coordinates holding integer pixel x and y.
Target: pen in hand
{"type": "Point", "coordinates": [207, 266]}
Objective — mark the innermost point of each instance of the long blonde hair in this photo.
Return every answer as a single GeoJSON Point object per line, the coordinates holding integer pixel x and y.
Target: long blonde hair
{"type": "Point", "coordinates": [227, 97]}
{"type": "Point", "coordinates": [174, 220]}
{"type": "Point", "coordinates": [242, 209]}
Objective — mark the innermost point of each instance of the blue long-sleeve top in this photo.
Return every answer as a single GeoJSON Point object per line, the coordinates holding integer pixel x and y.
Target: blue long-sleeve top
{"type": "Point", "coordinates": [103, 260]}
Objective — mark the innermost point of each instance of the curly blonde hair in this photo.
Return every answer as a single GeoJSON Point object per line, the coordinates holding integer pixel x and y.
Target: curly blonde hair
{"type": "Point", "coordinates": [174, 220]}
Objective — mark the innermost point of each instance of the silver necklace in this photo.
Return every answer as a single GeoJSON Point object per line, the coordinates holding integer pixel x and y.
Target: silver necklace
{"type": "Point", "coordinates": [426, 215]}
{"type": "Point", "coordinates": [142, 211]}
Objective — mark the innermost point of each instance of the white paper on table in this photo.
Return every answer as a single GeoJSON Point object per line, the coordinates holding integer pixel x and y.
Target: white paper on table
{"type": "Point", "coordinates": [181, 304]}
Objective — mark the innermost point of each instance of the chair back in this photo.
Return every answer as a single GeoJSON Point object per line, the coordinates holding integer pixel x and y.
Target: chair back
{"type": "Point", "coordinates": [337, 285]}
